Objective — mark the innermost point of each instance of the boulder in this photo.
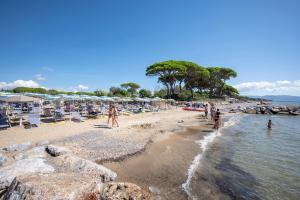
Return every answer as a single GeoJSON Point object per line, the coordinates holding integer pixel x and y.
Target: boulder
{"type": "Point", "coordinates": [18, 147]}
{"type": "Point", "coordinates": [67, 186]}
{"type": "Point", "coordinates": [56, 150]}
{"type": "Point", "coordinates": [124, 191]}
{"type": "Point", "coordinates": [251, 111]}
{"type": "Point", "coordinates": [92, 169]}
{"type": "Point", "coordinates": [23, 167]}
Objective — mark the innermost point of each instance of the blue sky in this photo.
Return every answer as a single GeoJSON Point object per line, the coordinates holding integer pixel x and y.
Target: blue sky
{"type": "Point", "coordinates": [88, 45]}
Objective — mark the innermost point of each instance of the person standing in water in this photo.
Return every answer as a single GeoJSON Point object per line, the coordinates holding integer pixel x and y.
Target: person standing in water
{"type": "Point", "coordinates": [269, 124]}
{"type": "Point", "coordinates": [217, 119]}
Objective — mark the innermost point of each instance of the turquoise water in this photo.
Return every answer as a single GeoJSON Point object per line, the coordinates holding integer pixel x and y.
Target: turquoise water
{"type": "Point", "coordinates": [248, 161]}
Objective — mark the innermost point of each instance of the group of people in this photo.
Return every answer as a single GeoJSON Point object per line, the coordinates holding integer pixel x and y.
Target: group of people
{"type": "Point", "coordinates": [214, 114]}
{"type": "Point", "coordinates": [113, 115]}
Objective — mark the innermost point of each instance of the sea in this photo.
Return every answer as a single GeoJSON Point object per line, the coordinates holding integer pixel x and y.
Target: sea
{"type": "Point", "coordinates": [245, 160]}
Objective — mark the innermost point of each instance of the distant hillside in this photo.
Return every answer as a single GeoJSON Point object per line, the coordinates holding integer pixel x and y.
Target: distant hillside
{"type": "Point", "coordinates": [279, 98]}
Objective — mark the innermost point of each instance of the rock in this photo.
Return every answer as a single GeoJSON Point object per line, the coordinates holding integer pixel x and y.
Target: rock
{"type": "Point", "coordinates": [283, 113]}
{"type": "Point", "coordinates": [124, 191]}
{"type": "Point", "coordinates": [79, 165]}
{"type": "Point", "coordinates": [54, 186]}
{"type": "Point", "coordinates": [251, 111]}
{"type": "Point", "coordinates": [3, 159]}
{"type": "Point", "coordinates": [23, 168]}
{"type": "Point", "coordinates": [20, 156]}
{"type": "Point", "coordinates": [17, 191]}
{"type": "Point", "coordinates": [56, 150]}
{"type": "Point", "coordinates": [18, 147]}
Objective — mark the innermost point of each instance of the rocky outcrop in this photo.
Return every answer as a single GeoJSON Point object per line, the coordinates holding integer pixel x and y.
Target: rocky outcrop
{"type": "Point", "coordinates": [71, 186]}
{"type": "Point", "coordinates": [124, 191]}
{"type": "Point", "coordinates": [36, 174]}
{"type": "Point", "coordinates": [17, 147]}
{"type": "Point", "coordinates": [280, 110]}
{"type": "Point", "coordinates": [56, 150]}
{"type": "Point", "coordinates": [79, 165]}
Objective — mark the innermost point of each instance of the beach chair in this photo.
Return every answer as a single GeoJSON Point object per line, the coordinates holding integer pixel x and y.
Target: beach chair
{"type": "Point", "coordinates": [47, 112]}
{"type": "Point", "coordinates": [4, 121]}
{"type": "Point", "coordinates": [76, 116]}
{"type": "Point", "coordinates": [33, 120]}
{"type": "Point", "coordinates": [58, 116]}
{"type": "Point", "coordinates": [91, 112]}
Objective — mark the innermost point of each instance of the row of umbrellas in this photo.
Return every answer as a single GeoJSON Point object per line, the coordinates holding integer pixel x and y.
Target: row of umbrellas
{"type": "Point", "coordinates": [33, 97]}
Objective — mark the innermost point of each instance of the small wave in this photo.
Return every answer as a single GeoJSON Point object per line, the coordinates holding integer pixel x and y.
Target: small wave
{"type": "Point", "coordinates": [203, 145]}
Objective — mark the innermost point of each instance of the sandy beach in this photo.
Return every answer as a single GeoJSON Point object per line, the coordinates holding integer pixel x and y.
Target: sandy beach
{"type": "Point", "coordinates": [129, 126]}
{"type": "Point", "coordinates": [151, 150]}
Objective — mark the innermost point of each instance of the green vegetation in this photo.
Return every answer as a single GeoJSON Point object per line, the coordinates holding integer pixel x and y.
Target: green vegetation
{"type": "Point", "coordinates": [145, 93]}
{"type": "Point", "coordinates": [198, 81]}
{"type": "Point", "coordinates": [182, 80]}
{"type": "Point", "coordinates": [131, 88]}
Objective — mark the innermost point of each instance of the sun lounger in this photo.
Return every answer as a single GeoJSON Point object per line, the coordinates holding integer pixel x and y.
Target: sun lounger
{"type": "Point", "coordinates": [34, 119]}
{"type": "Point", "coordinates": [4, 122]}
{"type": "Point", "coordinates": [58, 116]}
{"type": "Point", "coordinates": [76, 116]}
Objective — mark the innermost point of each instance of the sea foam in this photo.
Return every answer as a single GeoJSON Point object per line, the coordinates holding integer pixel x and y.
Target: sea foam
{"type": "Point", "coordinates": [203, 145]}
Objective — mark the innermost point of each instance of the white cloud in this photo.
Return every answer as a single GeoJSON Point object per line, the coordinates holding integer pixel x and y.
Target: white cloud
{"type": "Point", "coordinates": [265, 87]}
{"type": "Point", "coordinates": [297, 83]}
{"type": "Point", "coordinates": [39, 77]}
{"type": "Point", "coordinates": [81, 87]}
{"type": "Point", "coordinates": [18, 83]}
{"type": "Point", "coordinates": [283, 83]}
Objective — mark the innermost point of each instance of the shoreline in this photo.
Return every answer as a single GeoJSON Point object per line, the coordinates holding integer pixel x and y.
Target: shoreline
{"type": "Point", "coordinates": [164, 131]}
{"type": "Point", "coordinates": [148, 170]}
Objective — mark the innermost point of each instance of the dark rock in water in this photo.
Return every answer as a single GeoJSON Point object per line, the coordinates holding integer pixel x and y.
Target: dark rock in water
{"type": "Point", "coordinates": [251, 111]}
{"type": "Point", "coordinates": [124, 191]}
{"type": "Point", "coordinates": [283, 113]}
{"type": "Point", "coordinates": [274, 110]}
{"type": "Point", "coordinates": [56, 150]}
{"type": "Point", "coordinates": [18, 147]}
{"type": "Point", "coordinates": [294, 113]}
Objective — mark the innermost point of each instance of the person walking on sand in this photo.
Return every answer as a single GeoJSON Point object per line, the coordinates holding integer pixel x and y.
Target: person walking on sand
{"type": "Point", "coordinates": [217, 119]}
{"type": "Point", "coordinates": [114, 116]}
{"type": "Point", "coordinates": [212, 111]}
{"type": "Point", "coordinates": [110, 113]}
{"type": "Point", "coordinates": [206, 110]}
{"type": "Point", "coordinates": [269, 124]}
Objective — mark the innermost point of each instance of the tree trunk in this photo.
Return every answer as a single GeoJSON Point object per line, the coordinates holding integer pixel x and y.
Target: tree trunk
{"type": "Point", "coordinates": [192, 93]}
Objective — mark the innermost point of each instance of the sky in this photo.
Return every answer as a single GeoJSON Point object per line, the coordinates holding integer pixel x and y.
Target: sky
{"type": "Point", "coordinates": [88, 45]}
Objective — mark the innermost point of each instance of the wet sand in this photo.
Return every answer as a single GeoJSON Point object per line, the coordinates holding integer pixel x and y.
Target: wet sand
{"type": "Point", "coordinates": [162, 167]}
